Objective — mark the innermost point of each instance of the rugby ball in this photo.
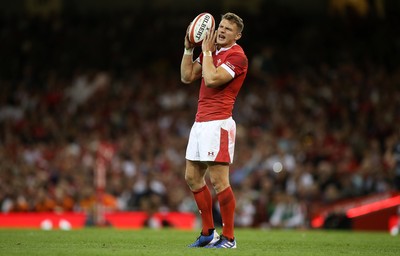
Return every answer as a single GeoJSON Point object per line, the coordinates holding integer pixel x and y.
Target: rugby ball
{"type": "Point", "coordinates": [203, 23]}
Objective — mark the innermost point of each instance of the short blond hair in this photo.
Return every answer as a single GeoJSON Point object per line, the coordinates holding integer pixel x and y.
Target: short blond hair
{"type": "Point", "coordinates": [235, 19]}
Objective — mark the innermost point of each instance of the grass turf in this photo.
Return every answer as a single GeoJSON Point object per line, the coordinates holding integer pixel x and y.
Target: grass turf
{"type": "Point", "coordinates": [108, 241]}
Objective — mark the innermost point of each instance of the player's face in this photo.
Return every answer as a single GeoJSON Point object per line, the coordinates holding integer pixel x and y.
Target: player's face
{"type": "Point", "coordinates": [228, 33]}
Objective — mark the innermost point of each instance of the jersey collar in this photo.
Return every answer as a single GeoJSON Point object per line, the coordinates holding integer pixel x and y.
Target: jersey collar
{"type": "Point", "coordinates": [224, 49]}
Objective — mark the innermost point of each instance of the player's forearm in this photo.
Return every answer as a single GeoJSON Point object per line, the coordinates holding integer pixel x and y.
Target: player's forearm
{"type": "Point", "coordinates": [187, 69]}
{"type": "Point", "coordinates": [210, 74]}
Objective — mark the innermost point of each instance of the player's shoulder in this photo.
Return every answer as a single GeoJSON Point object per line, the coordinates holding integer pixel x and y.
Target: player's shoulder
{"type": "Point", "coordinates": [237, 50]}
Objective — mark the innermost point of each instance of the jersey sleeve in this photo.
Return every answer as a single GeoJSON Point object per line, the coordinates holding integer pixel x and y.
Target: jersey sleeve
{"type": "Point", "coordinates": [235, 64]}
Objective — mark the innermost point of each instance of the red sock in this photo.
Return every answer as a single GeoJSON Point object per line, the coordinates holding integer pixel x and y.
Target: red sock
{"type": "Point", "coordinates": [227, 204]}
{"type": "Point", "coordinates": [204, 203]}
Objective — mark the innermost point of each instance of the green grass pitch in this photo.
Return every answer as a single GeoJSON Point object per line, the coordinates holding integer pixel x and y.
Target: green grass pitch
{"type": "Point", "coordinates": [109, 241]}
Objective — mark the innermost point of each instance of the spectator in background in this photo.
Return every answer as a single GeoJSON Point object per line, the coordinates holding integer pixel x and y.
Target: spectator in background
{"type": "Point", "coordinates": [287, 212]}
{"type": "Point", "coordinates": [83, 88]}
{"type": "Point", "coordinates": [392, 158]}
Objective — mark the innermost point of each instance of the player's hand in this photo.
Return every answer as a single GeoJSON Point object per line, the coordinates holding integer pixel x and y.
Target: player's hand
{"type": "Point", "coordinates": [209, 41]}
{"type": "Point", "coordinates": [187, 43]}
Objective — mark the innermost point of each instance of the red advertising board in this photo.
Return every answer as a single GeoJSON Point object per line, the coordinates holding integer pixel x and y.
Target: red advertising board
{"type": "Point", "coordinates": [66, 221]}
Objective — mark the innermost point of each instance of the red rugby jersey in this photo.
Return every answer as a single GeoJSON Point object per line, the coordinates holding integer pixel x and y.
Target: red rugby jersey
{"type": "Point", "coordinates": [217, 103]}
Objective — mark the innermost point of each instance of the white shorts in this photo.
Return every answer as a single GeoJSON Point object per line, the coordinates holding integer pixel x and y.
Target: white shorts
{"type": "Point", "coordinates": [212, 141]}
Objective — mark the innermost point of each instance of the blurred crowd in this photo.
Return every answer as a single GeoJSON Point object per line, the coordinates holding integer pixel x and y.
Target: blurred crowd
{"type": "Point", "coordinates": [315, 124]}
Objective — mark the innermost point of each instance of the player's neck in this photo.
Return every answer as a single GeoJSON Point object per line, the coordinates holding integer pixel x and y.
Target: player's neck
{"type": "Point", "coordinates": [222, 47]}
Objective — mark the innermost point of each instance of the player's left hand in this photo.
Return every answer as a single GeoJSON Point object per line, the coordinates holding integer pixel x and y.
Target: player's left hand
{"type": "Point", "coordinates": [187, 43]}
{"type": "Point", "coordinates": [209, 41]}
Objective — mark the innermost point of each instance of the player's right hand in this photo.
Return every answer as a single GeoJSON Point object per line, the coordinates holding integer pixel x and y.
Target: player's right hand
{"type": "Point", "coordinates": [209, 41]}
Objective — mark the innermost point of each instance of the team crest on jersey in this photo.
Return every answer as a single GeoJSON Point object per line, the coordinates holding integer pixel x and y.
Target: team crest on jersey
{"type": "Point", "coordinates": [219, 62]}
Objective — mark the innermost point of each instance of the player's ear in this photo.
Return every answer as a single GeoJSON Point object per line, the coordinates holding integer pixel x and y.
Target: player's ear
{"type": "Point", "coordinates": [238, 36]}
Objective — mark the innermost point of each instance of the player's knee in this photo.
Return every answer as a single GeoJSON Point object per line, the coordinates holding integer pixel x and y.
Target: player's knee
{"type": "Point", "coordinates": [188, 178]}
{"type": "Point", "coordinates": [219, 186]}
{"type": "Point", "coordinates": [191, 180]}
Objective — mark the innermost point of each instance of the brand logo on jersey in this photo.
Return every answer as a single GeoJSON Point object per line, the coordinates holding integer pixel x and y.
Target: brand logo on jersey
{"type": "Point", "coordinates": [210, 153]}
{"type": "Point", "coordinates": [219, 62]}
{"type": "Point", "coordinates": [230, 65]}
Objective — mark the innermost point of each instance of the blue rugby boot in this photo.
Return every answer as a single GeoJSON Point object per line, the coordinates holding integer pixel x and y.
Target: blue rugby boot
{"type": "Point", "coordinates": [224, 243]}
{"type": "Point", "coordinates": [203, 240]}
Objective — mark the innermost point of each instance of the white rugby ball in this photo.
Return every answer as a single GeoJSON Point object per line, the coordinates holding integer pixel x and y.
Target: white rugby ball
{"type": "Point", "coordinates": [203, 23]}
